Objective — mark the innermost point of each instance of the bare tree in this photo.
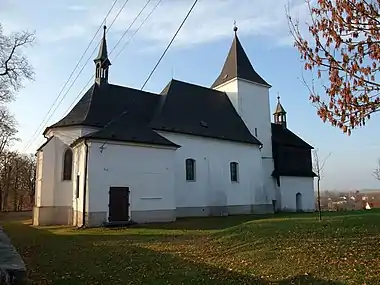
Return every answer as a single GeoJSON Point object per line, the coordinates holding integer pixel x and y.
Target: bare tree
{"type": "Point", "coordinates": [318, 166]}
{"type": "Point", "coordinates": [376, 172]}
{"type": "Point", "coordinates": [8, 129]}
{"type": "Point", "coordinates": [17, 173]}
{"type": "Point", "coordinates": [14, 66]}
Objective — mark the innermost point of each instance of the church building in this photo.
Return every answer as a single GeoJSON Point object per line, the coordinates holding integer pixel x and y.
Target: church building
{"type": "Point", "coordinates": [124, 155]}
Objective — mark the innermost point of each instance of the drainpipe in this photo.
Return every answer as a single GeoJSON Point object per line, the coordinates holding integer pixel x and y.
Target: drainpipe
{"type": "Point", "coordinates": [85, 186]}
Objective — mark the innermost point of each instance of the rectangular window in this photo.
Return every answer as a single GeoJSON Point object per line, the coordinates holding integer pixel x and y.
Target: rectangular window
{"type": "Point", "coordinates": [234, 171]}
{"type": "Point", "coordinates": [190, 169]}
{"type": "Point", "coordinates": [77, 187]}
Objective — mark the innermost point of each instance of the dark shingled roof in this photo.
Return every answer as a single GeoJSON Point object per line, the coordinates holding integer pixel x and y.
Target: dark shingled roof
{"type": "Point", "coordinates": [195, 110]}
{"type": "Point", "coordinates": [126, 114]}
{"type": "Point", "coordinates": [237, 65]}
{"type": "Point", "coordinates": [291, 154]}
{"type": "Point", "coordinates": [285, 136]}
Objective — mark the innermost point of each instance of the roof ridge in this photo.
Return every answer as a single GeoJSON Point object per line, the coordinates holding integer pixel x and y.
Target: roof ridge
{"type": "Point", "coordinates": [196, 85]}
{"type": "Point", "coordinates": [90, 101]}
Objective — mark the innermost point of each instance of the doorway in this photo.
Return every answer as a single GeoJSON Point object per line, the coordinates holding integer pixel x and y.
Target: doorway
{"type": "Point", "coordinates": [299, 202]}
{"type": "Point", "coordinates": [118, 204]}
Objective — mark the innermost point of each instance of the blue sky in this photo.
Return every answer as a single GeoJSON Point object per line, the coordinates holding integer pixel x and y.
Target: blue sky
{"type": "Point", "coordinates": [64, 29]}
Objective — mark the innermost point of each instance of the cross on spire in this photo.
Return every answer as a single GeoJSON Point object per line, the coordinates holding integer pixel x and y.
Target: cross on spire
{"type": "Point", "coordinates": [235, 27]}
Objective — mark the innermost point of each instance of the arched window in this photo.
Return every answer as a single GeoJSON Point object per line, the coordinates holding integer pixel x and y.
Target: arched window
{"type": "Point", "coordinates": [190, 169]}
{"type": "Point", "coordinates": [234, 169]}
{"type": "Point", "coordinates": [67, 164]}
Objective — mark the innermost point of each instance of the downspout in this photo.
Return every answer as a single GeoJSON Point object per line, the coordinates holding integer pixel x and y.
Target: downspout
{"type": "Point", "coordinates": [85, 185]}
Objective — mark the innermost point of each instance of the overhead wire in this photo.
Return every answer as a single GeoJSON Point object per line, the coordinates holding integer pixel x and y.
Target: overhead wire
{"type": "Point", "coordinates": [125, 32]}
{"type": "Point", "coordinates": [70, 76]}
{"type": "Point", "coordinates": [158, 62]}
{"type": "Point", "coordinates": [79, 73]}
{"type": "Point", "coordinates": [175, 35]}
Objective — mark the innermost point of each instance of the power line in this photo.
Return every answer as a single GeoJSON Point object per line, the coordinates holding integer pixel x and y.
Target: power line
{"type": "Point", "coordinates": [175, 35]}
{"type": "Point", "coordinates": [138, 28]}
{"type": "Point", "coordinates": [163, 54]}
{"type": "Point", "coordinates": [71, 75]}
{"type": "Point", "coordinates": [67, 91]}
{"type": "Point", "coordinates": [125, 32]}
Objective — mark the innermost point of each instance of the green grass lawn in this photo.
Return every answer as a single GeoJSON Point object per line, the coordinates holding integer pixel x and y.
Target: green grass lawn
{"type": "Point", "coordinates": [283, 249]}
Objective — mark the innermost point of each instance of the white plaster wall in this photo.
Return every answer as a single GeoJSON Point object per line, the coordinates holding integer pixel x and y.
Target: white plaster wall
{"type": "Point", "coordinates": [51, 190]}
{"type": "Point", "coordinates": [213, 186]}
{"type": "Point", "coordinates": [45, 183]}
{"type": "Point", "coordinates": [69, 134]}
{"type": "Point", "coordinates": [147, 170]}
{"type": "Point", "coordinates": [62, 188]}
{"type": "Point", "coordinates": [251, 101]}
{"type": "Point", "coordinates": [79, 152]}
{"type": "Point", "coordinates": [290, 186]}
{"type": "Point", "coordinates": [255, 112]}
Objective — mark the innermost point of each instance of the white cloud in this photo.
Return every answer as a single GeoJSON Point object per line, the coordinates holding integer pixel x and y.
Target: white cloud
{"type": "Point", "coordinates": [211, 20]}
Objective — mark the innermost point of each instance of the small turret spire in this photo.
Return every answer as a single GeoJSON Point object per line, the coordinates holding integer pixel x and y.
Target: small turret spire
{"type": "Point", "coordinates": [102, 62]}
{"type": "Point", "coordinates": [279, 114]}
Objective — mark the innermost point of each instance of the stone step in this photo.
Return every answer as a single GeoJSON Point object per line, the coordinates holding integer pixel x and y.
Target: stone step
{"type": "Point", "coordinates": [12, 267]}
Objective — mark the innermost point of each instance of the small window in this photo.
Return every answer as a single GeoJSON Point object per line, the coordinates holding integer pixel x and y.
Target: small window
{"type": "Point", "coordinates": [190, 169]}
{"type": "Point", "coordinates": [67, 164]}
{"type": "Point", "coordinates": [234, 169]}
{"type": "Point", "coordinates": [77, 187]}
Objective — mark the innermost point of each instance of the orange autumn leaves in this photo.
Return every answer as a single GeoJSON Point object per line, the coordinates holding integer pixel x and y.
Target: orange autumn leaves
{"type": "Point", "coordinates": [345, 48]}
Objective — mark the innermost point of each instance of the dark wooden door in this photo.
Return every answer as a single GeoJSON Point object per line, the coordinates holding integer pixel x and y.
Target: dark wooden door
{"type": "Point", "coordinates": [118, 204]}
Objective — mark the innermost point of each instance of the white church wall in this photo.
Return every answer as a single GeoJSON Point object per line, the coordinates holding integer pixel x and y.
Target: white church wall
{"type": "Point", "coordinates": [79, 157]}
{"type": "Point", "coordinates": [255, 112]}
{"type": "Point", "coordinates": [62, 188]}
{"type": "Point", "coordinates": [251, 101]}
{"type": "Point", "coordinates": [69, 134]}
{"type": "Point", "coordinates": [148, 172]}
{"type": "Point", "coordinates": [212, 186]}
{"type": "Point", "coordinates": [290, 186]}
{"type": "Point", "coordinates": [53, 196]}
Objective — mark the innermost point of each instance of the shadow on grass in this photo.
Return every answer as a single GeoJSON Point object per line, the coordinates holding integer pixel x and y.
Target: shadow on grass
{"type": "Point", "coordinates": [115, 259]}
{"type": "Point", "coordinates": [220, 223]}
{"type": "Point", "coordinates": [205, 223]}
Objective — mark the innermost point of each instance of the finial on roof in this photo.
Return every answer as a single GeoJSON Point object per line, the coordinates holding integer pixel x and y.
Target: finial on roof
{"type": "Point", "coordinates": [235, 27]}
{"type": "Point", "coordinates": [278, 97]}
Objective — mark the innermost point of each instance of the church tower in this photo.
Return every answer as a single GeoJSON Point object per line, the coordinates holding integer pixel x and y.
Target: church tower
{"type": "Point", "coordinates": [102, 62]}
{"type": "Point", "coordinates": [249, 93]}
{"type": "Point", "coordinates": [279, 114]}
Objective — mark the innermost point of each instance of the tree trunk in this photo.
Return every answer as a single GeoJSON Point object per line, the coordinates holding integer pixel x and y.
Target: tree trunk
{"type": "Point", "coordinates": [319, 198]}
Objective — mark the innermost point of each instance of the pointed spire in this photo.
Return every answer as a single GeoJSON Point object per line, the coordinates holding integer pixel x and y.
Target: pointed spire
{"type": "Point", "coordinates": [101, 61]}
{"type": "Point", "coordinates": [103, 54]}
{"type": "Point", "coordinates": [237, 65]}
{"type": "Point", "coordinates": [279, 114]}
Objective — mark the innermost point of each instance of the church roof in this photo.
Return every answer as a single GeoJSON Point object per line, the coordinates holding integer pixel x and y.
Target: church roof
{"type": "Point", "coordinates": [291, 154]}
{"type": "Point", "coordinates": [237, 65]}
{"type": "Point", "coordinates": [196, 110]}
{"type": "Point", "coordinates": [103, 54]}
{"type": "Point", "coordinates": [279, 109]}
{"type": "Point", "coordinates": [132, 115]}
{"type": "Point", "coordinates": [285, 136]}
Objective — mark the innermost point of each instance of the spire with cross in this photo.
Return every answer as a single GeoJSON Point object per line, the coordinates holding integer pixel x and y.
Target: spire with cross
{"type": "Point", "coordinates": [102, 62]}
{"type": "Point", "coordinates": [280, 113]}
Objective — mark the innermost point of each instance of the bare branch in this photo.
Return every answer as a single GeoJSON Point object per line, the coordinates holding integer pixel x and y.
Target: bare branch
{"type": "Point", "coordinates": [344, 46]}
{"type": "Point", "coordinates": [14, 67]}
